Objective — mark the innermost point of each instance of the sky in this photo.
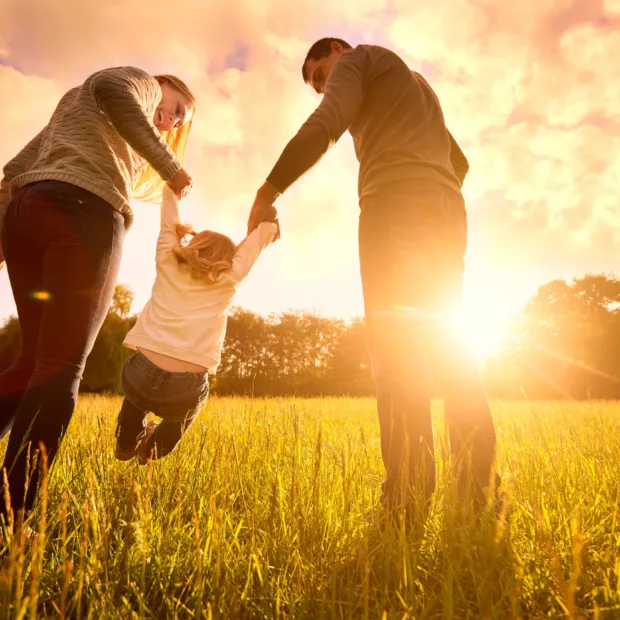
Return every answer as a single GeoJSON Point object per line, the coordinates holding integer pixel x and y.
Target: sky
{"type": "Point", "coordinates": [529, 89]}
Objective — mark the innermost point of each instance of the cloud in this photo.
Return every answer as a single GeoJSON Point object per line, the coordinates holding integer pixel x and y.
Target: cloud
{"type": "Point", "coordinates": [528, 88]}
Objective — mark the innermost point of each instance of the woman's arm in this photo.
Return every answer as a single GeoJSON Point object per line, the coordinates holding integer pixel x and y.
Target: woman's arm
{"type": "Point", "coordinates": [124, 94]}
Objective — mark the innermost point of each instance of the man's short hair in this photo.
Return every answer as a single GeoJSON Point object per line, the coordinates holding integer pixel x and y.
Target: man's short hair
{"type": "Point", "coordinates": [322, 48]}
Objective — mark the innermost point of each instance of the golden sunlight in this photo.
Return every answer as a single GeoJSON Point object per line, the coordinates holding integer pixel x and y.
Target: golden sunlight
{"type": "Point", "coordinates": [484, 325]}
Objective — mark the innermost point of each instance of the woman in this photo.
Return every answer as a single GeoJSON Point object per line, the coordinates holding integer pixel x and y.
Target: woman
{"type": "Point", "coordinates": [118, 136]}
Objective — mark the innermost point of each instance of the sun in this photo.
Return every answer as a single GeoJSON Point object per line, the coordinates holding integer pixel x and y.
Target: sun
{"type": "Point", "coordinates": [483, 325]}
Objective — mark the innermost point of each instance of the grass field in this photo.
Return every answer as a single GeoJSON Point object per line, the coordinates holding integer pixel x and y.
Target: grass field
{"type": "Point", "coordinates": [269, 509]}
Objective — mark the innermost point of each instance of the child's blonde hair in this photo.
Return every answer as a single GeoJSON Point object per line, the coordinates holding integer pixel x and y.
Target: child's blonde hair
{"type": "Point", "coordinates": [207, 254]}
{"type": "Point", "coordinates": [150, 185]}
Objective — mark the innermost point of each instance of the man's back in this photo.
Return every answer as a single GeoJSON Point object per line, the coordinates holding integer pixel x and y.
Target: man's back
{"type": "Point", "coordinates": [397, 125]}
{"type": "Point", "coordinates": [395, 119]}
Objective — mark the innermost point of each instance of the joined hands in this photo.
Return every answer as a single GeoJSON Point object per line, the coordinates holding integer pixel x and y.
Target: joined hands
{"type": "Point", "coordinates": [263, 209]}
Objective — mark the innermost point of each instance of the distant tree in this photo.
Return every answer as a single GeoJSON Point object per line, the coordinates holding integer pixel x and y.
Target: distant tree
{"type": "Point", "coordinates": [104, 364]}
{"type": "Point", "coordinates": [349, 368]}
{"type": "Point", "coordinates": [292, 353]}
{"type": "Point", "coordinates": [566, 343]}
{"type": "Point", "coordinates": [121, 300]}
{"type": "Point", "coordinates": [244, 355]}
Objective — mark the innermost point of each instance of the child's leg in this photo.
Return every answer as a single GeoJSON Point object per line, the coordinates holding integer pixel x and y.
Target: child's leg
{"type": "Point", "coordinates": [177, 398]}
{"type": "Point", "coordinates": [166, 436]}
{"type": "Point", "coordinates": [130, 424]}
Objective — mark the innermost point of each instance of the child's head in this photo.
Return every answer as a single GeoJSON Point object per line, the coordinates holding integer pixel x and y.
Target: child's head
{"type": "Point", "coordinates": [207, 255]}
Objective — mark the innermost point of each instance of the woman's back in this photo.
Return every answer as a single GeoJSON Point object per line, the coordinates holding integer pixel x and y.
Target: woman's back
{"type": "Point", "coordinates": [97, 137]}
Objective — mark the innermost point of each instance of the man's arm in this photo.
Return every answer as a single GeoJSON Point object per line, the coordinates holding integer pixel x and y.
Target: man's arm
{"type": "Point", "coordinates": [458, 159]}
{"type": "Point", "coordinates": [344, 93]}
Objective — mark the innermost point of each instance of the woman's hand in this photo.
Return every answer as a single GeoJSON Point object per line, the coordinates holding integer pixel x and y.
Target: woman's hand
{"type": "Point", "coordinates": [181, 183]}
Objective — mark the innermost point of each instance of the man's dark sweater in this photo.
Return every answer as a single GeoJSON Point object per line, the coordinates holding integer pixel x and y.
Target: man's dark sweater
{"type": "Point", "coordinates": [395, 119]}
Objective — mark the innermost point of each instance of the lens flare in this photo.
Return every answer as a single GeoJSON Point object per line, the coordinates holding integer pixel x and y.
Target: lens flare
{"type": "Point", "coordinates": [40, 295]}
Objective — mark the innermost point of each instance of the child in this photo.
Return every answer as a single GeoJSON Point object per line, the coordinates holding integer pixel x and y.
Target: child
{"type": "Point", "coordinates": [180, 333]}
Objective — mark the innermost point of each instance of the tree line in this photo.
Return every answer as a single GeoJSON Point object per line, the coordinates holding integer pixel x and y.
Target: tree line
{"type": "Point", "coordinates": [564, 344]}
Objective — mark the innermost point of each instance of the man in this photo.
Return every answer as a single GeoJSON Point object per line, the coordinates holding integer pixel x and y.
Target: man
{"type": "Point", "coordinates": [412, 239]}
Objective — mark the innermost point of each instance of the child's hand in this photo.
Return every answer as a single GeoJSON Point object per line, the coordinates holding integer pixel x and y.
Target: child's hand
{"type": "Point", "coordinates": [265, 197]}
{"type": "Point", "coordinates": [271, 215]}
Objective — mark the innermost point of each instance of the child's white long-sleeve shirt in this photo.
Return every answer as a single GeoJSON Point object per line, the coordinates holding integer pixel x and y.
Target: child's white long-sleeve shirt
{"type": "Point", "coordinates": [186, 318]}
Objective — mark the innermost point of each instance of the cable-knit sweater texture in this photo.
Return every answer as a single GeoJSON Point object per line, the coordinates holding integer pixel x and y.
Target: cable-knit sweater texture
{"type": "Point", "coordinates": [99, 138]}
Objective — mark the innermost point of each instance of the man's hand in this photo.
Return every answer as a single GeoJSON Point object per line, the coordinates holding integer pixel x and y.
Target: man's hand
{"type": "Point", "coordinates": [263, 209]}
{"type": "Point", "coordinates": [181, 183]}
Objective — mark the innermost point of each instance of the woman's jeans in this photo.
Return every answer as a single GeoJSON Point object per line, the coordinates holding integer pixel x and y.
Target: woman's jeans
{"type": "Point", "coordinates": [63, 247]}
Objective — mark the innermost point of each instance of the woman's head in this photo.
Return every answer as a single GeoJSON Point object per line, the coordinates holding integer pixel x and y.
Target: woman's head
{"type": "Point", "coordinates": [207, 254]}
{"type": "Point", "coordinates": [177, 104]}
{"type": "Point", "coordinates": [173, 118]}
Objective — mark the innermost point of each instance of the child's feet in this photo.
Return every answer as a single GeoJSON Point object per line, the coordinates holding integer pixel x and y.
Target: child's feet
{"type": "Point", "coordinates": [124, 453]}
{"type": "Point", "coordinates": [143, 450]}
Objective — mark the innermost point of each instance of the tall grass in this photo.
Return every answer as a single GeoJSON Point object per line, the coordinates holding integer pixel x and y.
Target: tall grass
{"type": "Point", "coordinates": [269, 508]}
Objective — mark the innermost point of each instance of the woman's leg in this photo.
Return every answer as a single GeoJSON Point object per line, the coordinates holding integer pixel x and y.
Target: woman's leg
{"type": "Point", "coordinates": [81, 237]}
{"type": "Point", "coordinates": [25, 271]}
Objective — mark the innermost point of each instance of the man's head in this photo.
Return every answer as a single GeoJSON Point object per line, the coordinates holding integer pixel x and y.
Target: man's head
{"type": "Point", "coordinates": [319, 61]}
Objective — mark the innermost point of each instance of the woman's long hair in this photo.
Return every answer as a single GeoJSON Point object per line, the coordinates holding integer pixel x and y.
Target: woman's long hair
{"type": "Point", "coordinates": [207, 254]}
{"type": "Point", "coordinates": [149, 184]}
